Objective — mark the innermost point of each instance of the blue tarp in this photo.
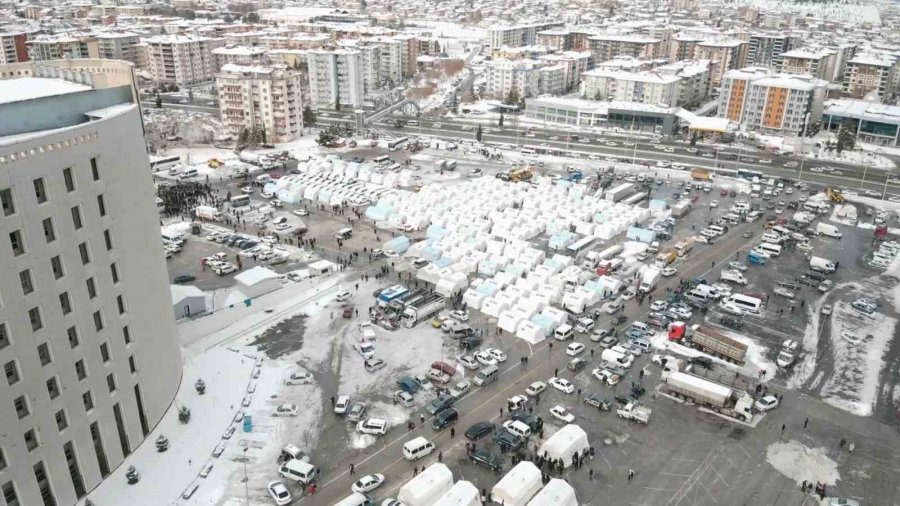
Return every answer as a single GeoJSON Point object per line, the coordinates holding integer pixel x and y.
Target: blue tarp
{"type": "Point", "coordinates": [658, 205]}
{"type": "Point", "coordinates": [398, 245]}
{"type": "Point", "coordinates": [544, 322]}
{"type": "Point", "coordinates": [435, 232]}
{"type": "Point", "coordinates": [444, 261]}
{"type": "Point", "coordinates": [488, 288]}
{"type": "Point", "coordinates": [431, 253]}
{"type": "Point", "coordinates": [560, 240]}
{"type": "Point", "coordinates": [379, 212]}
{"type": "Point", "coordinates": [640, 234]}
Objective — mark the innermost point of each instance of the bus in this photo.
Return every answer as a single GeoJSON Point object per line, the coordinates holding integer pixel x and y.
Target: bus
{"type": "Point", "coordinates": [240, 201]}
{"type": "Point", "coordinates": [581, 247]}
{"type": "Point", "coordinates": [750, 304]}
{"type": "Point", "coordinates": [158, 163]}
{"type": "Point", "coordinates": [395, 144]}
{"type": "Point", "coordinates": [391, 294]}
{"type": "Point", "coordinates": [749, 174]}
{"type": "Point", "coordinates": [381, 160]}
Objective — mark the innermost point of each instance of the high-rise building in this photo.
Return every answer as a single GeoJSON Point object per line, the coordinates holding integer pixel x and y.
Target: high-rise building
{"type": "Point", "coordinates": [119, 45]}
{"type": "Point", "coordinates": [868, 73]}
{"type": "Point", "coordinates": [643, 87]}
{"type": "Point", "coordinates": [253, 96]}
{"type": "Point", "coordinates": [14, 46]}
{"type": "Point", "coordinates": [63, 45]}
{"type": "Point", "coordinates": [608, 46]}
{"type": "Point", "coordinates": [335, 78]}
{"type": "Point", "coordinates": [765, 49]}
{"type": "Point", "coordinates": [86, 326]}
{"type": "Point", "coordinates": [816, 62]}
{"type": "Point", "coordinates": [182, 60]}
{"type": "Point", "coordinates": [517, 35]}
{"type": "Point", "coordinates": [503, 76]}
{"type": "Point", "coordinates": [725, 55]}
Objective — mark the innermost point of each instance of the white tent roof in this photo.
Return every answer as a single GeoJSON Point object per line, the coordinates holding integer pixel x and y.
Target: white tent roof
{"type": "Point", "coordinates": [518, 486]}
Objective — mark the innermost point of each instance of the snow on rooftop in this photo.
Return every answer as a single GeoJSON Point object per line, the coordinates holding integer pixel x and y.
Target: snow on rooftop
{"type": "Point", "coordinates": [239, 50]}
{"type": "Point", "coordinates": [30, 88]}
{"type": "Point", "coordinates": [110, 111]}
{"type": "Point", "coordinates": [644, 77]}
{"type": "Point", "coordinates": [870, 59]}
{"type": "Point", "coordinates": [255, 275]}
{"type": "Point", "coordinates": [181, 292]}
{"type": "Point", "coordinates": [809, 53]}
{"type": "Point", "coordinates": [234, 68]}
{"type": "Point", "coordinates": [862, 109]}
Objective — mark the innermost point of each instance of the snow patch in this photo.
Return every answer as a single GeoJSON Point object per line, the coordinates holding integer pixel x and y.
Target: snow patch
{"type": "Point", "coordinates": [799, 462]}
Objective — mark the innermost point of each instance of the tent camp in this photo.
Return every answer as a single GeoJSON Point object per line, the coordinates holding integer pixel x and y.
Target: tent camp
{"type": "Point", "coordinates": [427, 487]}
{"type": "Point", "coordinates": [555, 493]}
{"type": "Point", "coordinates": [566, 442]}
{"type": "Point", "coordinates": [518, 485]}
{"type": "Point", "coordinates": [463, 493]}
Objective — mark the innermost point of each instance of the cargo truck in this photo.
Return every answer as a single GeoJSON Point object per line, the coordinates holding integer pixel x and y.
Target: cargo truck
{"type": "Point", "coordinates": [648, 280]}
{"type": "Point", "coordinates": [684, 247]}
{"type": "Point", "coordinates": [208, 213]}
{"type": "Point", "coordinates": [635, 199]}
{"type": "Point", "coordinates": [734, 277]}
{"type": "Point", "coordinates": [666, 259]}
{"type": "Point", "coordinates": [719, 398]}
{"type": "Point", "coordinates": [620, 192]}
{"type": "Point", "coordinates": [717, 344]}
{"type": "Point", "coordinates": [701, 175]}
{"type": "Point", "coordinates": [422, 310]}
{"type": "Point", "coordinates": [681, 208]}
{"type": "Point", "coordinates": [821, 264]}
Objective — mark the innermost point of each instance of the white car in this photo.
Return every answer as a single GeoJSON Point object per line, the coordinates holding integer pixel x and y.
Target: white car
{"type": "Point", "coordinates": [732, 309]}
{"type": "Point", "coordinates": [343, 296]}
{"type": "Point", "coordinates": [300, 212]}
{"type": "Point", "coordinates": [714, 203]}
{"type": "Point", "coordinates": [536, 388]}
{"type": "Point", "coordinates": [247, 190]}
{"type": "Point", "coordinates": [286, 410]}
{"type": "Point", "coordinates": [279, 493]}
{"type": "Point", "coordinates": [791, 164]}
{"type": "Point", "coordinates": [374, 364]}
{"type": "Point", "coordinates": [562, 414]}
{"type": "Point", "coordinates": [469, 362]}
{"type": "Point", "coordinates": [368, 483]}
{"type": "Point", "coordinates": [765, 161]}
{"type": "Point", "coordinates": [563, 385]}
{"type": "Point", "coordinates": [299, 378]}
{"type": "Point", "coordinates": [669, 272]}
{"type": "Point", "coordinates": [374, 426]}
{"type": "Point", "coordinates": [612, 307]}
{"type": "Point", "coordinates": [460, 315]}
{"type": "Point", "coordinates": [766, 403]}
{"type": "Point", "coordinates": [341, 405]}
{"type": "Point", "coordinates": [365, 348]}
{"type": "Point", "coordinates": [485, 358]}
{"type": "Point", "coordinates": [460, 389]}
{"type": "Point", "coordinates": [574, 349]}
{"type": "Point", "coordinates": [629, 293]}
{"type": "Point", "coordinates": [659, 305]}
{"type": "Point", "coordinates": [498, 355]}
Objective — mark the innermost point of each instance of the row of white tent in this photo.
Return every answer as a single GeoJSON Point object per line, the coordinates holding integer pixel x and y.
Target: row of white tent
{"type": "Point", "coordinates": [328, 189]}
{"type": "Point", "coordinates": [334, 165]}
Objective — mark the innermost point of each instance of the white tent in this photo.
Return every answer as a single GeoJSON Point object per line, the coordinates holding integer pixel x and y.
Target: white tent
{"type": "Point", "coordinates": [463, 493]}
{"type": "Point", "coordinates": [564, 443]}
{"type": "Point", "coordinates": [427, 487]}
{"type": "Point", "coordinates": [555, 493]}
{"type": "Point", "coordinates": [518, 486]}
{"type": "Point", "coordinates": [494, 306]}
{"type": "Point", "coordinates": [530, 332]}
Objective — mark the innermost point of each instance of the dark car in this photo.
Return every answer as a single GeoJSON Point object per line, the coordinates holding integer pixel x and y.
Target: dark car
{"type": "Point", "coordinates": [704, 362]}
{"type": "Point", "coordinates": [620, 319]}
{"type": "Point", "coordinates": [183, 278]}
{"type": "Point", "coordinates": [441, 403]}
{"type": "Point", "coordinates": [467, 343]}
{"type": "Point", "coordinates": [732, 323]}
{"type": "Point", "coordinates": [806, 280]}
{"type": "Point", "coordinates": [507, 441]}
{"type": "Point", "coordinates": [790, 285]}
{"type": "Point", "coordinates": [637, 390]}
{"type": "Point", "coordinates": [485, 457]}
{"type": "Point", "coordinates": [818, 276]}
{"type": "Point", "coordinates": [577, 364]}
{"type": "Point", "coordinates": [479, 430]}
{"type": "Point", "coordinates": [623, 400]}
{"type": "Point", "coordinates": [408, 385]}
{"type": "Point", "coordinates": [445, 418]}
{"type": "Point", "coordinates": [534, 422]}
{"type": "Point", "coordinates": [597, 401]}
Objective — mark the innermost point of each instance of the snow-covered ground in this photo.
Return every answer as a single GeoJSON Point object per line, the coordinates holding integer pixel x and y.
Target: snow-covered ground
{"type": "Point", "coordinates": [868, 158]}
{"type": "Point", "coordinates": [799, 462]}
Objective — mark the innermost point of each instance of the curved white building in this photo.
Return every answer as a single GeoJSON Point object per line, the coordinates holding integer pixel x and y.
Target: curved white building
{"type": "Point", "coordinates": [86, 328]}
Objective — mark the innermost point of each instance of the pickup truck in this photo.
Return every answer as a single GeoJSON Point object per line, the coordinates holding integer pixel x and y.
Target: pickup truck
{"type": "Point", "coordinates": [635, 413]}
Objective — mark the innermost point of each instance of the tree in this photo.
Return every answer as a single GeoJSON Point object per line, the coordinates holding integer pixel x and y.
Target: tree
{"type": "Point", "coordinates": [243, 137]}
{"type": "Point", "coordinates": [251, 18]}
{"type": "Point", "coordinates": [846, 138]}
{"type": "Point", "coordinates": [326, 137]}
{"type": "Point", "coordinates": [337, 103]}
{"type": "Point", "coordinates": [512, 98]}
{"type": "Point", "coordinates": [694, 139]}
{"type": "Point", "coordinates": [478, 134]}
{"type": "Point", "coordinates": [158, 101]}
{"type": "Point", "coordinates": [309, 117]}
{"type": "Point", "coordinates": [262, 135]}
{"type": "Point", "coordinates": [500, 121]}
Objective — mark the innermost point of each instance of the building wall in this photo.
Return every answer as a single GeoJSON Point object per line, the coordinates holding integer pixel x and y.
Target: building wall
{"type": "Point", "coordinates": [117, 144]}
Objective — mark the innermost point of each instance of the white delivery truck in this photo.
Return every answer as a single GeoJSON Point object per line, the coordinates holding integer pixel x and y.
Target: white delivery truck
{"type": "Point", "coordinates": [829, 230]}
{"type": "Point", "coordinates": [720, 398]}
{"type": "Point", "coordinates": [648, 279]}
{"type": "Point", "coordinates": [616, 358]}
{"type": "Point", "coordinates": [208, 213]}
{"type": "Point", "coordinates": [734, 277]}
{"type": "Point", "coordinates": [821, 264]}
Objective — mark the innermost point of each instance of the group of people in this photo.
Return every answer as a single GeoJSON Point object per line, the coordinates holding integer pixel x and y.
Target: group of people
{"type": "Point", "coordinates": [181, 198]}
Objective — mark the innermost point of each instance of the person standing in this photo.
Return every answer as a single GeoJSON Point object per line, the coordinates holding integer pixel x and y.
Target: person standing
{"type": "Point", "coordinates": [630, 474]}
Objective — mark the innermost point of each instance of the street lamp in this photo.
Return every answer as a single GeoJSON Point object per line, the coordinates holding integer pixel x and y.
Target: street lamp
{"type": "Point", "coordinates": [802, 145]}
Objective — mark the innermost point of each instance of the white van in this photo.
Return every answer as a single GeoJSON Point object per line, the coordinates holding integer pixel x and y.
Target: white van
{"type": "Point", "coordinates": [564, 332]}
{"type": "Point", "coordinates": [771, 237]}
{"type": "Point", "coordinates": [772, 249]}
{"type": "Point", "coordinates": [417, 448]}
{"type": "Point", "coordinates": [706, 290]}
{"type": "Point", "coordinates": [700, 295]}
{"type": "Point", "coordinates": [191, 172]}
{"type": "Point", "coordinates": [298, 471]}
{"type": "Point", "coordinates": [640, 327]}
{"type": "Point", "coordinates": [355, 499]}
{"type": "Point", "coordinates": [487, 375]}
{"type": "Point", "coordinates": [517, 428]}
{"type": "Point", "coordinates": [263, 179]}
{"type": "Point", "coordinates": [720, 231]}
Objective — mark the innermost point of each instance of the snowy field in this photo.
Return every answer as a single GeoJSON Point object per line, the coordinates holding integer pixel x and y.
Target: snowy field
{"type": "Point", "coordinates": [799, 462]}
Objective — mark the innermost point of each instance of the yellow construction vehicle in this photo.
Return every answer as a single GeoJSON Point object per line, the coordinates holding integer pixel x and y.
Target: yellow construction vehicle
{"type": "Point", "coordinates": [835, 195]}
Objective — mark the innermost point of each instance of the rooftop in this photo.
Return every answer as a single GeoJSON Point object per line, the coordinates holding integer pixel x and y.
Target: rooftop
{"type": "Point", "coordinates": [861, 109]}
{"type": "Point", "coordinates": [644, 77]}
{"type": "Point", "coordinates": [809, 53]}
{"type": "Point", "coordinates": [30, 88]}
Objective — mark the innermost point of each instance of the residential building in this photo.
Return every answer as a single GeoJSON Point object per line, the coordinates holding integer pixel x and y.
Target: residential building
{"type": "Point", "coordinates": [119, 45]}
{"type": "Point", "coordinates": [239, 55]}
{"type": "Point", "coordinates": [182, 60]}
{"type": "Point", "coordinates": [335, 78]}
{"type": "Point", "coordinates": [14, 46]}
{"type": "Point", "coordinates": [575, 63]}
{"type": "Point", "coordinates": [873, 123]}
{"type": "Point", "coordinates": [868, 73]}
{"type": "Point", "coordinates": [64, 45]}
{"type": "Point", "coordinates": [552, 79]}
{"type": "Point", "coordinates": [516, 35]}
{"type": "Point", "coordinates": [556, 40]}
{"type": "Point", "coordinates": [641, 87]}
{"type": "Point", "coordinates": [608, 46]}
{"type": "Point", "coordinates": [87, 334]}
{"type": "Point", "coordinates": [684, 46]}
{"type": "Point", "coordinates": [502, 76]}
{"type": "Point", "coordinates": [725, 55]}
{"type": "Point", "coordinates": [769, 103]}
{"type": "Point", "coordinates": [255, 96]}
{"type": "Point", "coordinates": [693, 85]}
{"type": "Point", "coordinates": [765, 49]}
{"type": "Point", "coordinates": [818, 62]}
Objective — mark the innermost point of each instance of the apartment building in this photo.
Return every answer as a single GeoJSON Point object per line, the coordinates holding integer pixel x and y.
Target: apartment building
{"type": "Point", "coordinates": [516, 35]}
{"type": "Point", "coordinates": [552, 79]}
{"type": "Point", "coordinates": [607, 47]}
{"type": "Point", "coordinates": [868, 73]}
{"type": "Point", "coordinates": [182, 60]}
{"type": "Point", "coordinates": [648, 87]}
{"type": "Point", "coordinates": [335, 78]}
{"type": "Point", "coordinates": [370, 64]}
{"type": "Point", "coordinates": [87, 334]}
{"type": "Point", "coordinates": [693, 84]}
{"type": "Point", "coordinates": [64, 45]}
{"type": "Point", "coordinates": [725, 55]}
{"type": "Point", "coordinates": [556, 40]}
{"type": "Point", "coordinates": [818, 62]}
{"type": "Point", "coordinates": [769, 103]}
{"type": "Point", "coordinates": [119, 45]}
{"type": "Point", "coordinates": [504, 75]}
{"type": "Point", "coordinates": [575, 63]}
{"type": "Point", "coordinates": [14, 46]}
{"type": "Point", "coordinates": [684, 46]}
{"type": "Point", "coordinates": [766, 49]}
{"type": "Point", "coordinates": [239, 55]}
{"type": "Point", "coordinates": [256, 96]}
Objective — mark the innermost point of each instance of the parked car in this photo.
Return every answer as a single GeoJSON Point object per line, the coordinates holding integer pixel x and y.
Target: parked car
{"type": "Point", "coordinates": [286, 410]}
{"type": "Point", "coordinates": [536, 388]}
{"type": "Point", "coordinates": [597, 401]}
{"type": "Point", "coordinates": [485, 457]}
{"type": "Point", "coordinates": [766, 403]}
{"type": "Point", "coordinates": [368, 483]}
{"type": "Point", "coordinates": [460, 389]}
{"type": "Point", "coordinates": [562, 414]}
{"type": "Point", "coordinates": [279, 493]}
{"type": "Point", "coordinates": [563, 385]}
{"type": "Point", "coordinates": [469, 362]}
{"type": "Point", "coordinates": [374, 364]}
{"type": "Point", "coordinates": [479, 429]}
{"type": "Point", "coordinates": [574, 349]}
{"type": "Point", "coordinates": [356, 411]}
